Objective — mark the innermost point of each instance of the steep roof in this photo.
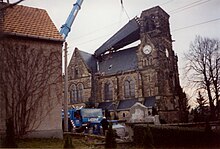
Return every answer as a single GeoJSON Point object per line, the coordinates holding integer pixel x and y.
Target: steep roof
{"type": "Point", "coordinates": [89, 60]}
{"type": "Point", "coordinates": [107, 105]}
{"type": "Point", "coordinates": [126, 104]}
{"type": "Point", "coordinates": [119, 61]}
{"type": "Point", "coordinates": [30, 22]}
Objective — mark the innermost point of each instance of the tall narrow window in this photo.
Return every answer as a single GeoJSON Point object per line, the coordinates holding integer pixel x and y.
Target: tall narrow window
{"type": "Point", "coordinates": [108, 91]}
{"type": "Point", "coordinates": [73, 93]}
{"type": "Point", "coordinates": [150, 60]}
{"type": "Point", "coordinates": [129, 88]}
{"type": "Point", "coordinates": [76, 72]}
{"type": "Point", "coordinates": [80, 92]}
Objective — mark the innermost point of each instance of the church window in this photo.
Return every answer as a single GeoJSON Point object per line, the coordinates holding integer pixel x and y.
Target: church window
{"type": "Point", "coordinates": [108, 91]}
{"type": "Point", "coordinates": [110, 67]}
{"type": "Point", "coordinates": [73, 93]}
{"type": "Point", "coordinates": [76, 72]}
{"type": "Point", "coordinates": [153, 16]}
{"type": "Point", "coordinates": [129, 88]}
{"type": "Point", "coordinates": [150, 60]}
{"type": "Point", "coordinates": [151, 92]}
{"type": "Point", "coordinates": [80, 92]}
{"type": "Point", "coordinates": [147, 61]}
{"type": "Point", "coordinates": [149, 25]}
{"type": "Point", "coordinates": [76, 93]}
{"type": "Point", "coordinates": [148, 78]}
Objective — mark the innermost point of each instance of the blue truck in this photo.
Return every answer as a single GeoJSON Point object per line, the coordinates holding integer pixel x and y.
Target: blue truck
{"type": "Point", "coordinates": [85, 119]}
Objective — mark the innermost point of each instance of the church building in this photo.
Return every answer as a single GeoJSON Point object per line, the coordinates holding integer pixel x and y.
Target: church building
{"type": "Point", "coordinates": [115, 77]}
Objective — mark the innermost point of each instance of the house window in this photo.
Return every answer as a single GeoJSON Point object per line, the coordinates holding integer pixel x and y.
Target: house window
{"type": "Point", "coordinates": [108, 91]}
{"type": "Point", "coordinates": [129, 87]}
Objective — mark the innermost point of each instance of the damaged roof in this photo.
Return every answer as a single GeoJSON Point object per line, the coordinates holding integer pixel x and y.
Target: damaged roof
{"type": "Point", "coordinates": [30, 22]}
{"type": "Point", "coordinates": [117, 62]}
{"type": "Point", "coordinates": [89, 60]}
{"type": "Point", "coordinates": [126, 35]}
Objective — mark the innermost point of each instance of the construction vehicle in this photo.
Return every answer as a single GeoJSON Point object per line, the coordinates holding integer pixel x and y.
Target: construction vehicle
{"type": "Point", "coordinates": [85, 119]}
{"type": "Point", "coordinates": [66, 28]}
{"type": "Point", "coordinates": [64, 31]}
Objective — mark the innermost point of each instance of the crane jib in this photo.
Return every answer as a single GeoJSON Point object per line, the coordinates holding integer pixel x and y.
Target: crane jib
{"type": "Point", "coordinates": [66, 28]}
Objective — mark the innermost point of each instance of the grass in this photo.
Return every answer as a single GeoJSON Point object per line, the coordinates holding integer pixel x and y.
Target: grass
{"type": "Point", "coordinates": [50, 143]}
{"type": "Point", "coordinates": [40, 143]}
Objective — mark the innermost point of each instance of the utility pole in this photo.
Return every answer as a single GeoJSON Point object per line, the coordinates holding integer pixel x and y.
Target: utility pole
{"type": "Point", "coordinates": [65, 103]}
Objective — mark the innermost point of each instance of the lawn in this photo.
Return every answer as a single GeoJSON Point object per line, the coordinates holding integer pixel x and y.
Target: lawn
{"type": "Point", "coordinates": [51, 143]}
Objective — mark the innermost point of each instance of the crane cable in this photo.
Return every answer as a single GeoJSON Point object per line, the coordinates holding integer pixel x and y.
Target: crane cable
{"type": "Point", "coordinates": [123, 9]}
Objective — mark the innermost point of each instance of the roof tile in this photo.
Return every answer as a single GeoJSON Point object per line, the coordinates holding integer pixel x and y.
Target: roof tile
{"type": "Point", "coordinates": [30, 21]}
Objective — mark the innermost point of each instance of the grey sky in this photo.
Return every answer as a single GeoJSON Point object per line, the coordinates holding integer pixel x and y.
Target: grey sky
{"type": "Point", "coordinates": [99, 19]}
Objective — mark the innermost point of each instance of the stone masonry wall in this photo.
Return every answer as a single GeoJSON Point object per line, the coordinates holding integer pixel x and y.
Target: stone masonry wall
{"type": "Point", "coordinates": [118, 85]}
{"type": "Point", "coordinates": [83, 77]}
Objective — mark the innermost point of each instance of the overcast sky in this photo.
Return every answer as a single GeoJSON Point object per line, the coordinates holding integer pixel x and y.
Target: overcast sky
{"type": "Point", "coordinates": [98, 20]}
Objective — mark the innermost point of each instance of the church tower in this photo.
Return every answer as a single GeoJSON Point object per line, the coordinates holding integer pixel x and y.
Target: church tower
{"type": "Point", "coordinates": [157, 62]}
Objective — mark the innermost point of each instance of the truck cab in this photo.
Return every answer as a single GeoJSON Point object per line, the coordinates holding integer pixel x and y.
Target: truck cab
{"type": "Point", "coordinates": [86, 118]}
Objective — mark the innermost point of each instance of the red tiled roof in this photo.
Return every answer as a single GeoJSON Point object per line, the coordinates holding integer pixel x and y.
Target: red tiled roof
{"type": "Point", "coordinates": [32, 22]}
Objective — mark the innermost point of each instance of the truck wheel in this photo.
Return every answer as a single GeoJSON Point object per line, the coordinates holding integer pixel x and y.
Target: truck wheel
{"type": "Point", "coordinates": [80, 129]}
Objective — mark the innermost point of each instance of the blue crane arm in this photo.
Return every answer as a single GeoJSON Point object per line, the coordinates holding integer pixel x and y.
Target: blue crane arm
{"type": "Point", "coordinates": [65, 28]}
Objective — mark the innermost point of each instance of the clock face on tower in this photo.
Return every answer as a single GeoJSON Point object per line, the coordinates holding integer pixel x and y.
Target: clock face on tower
{"type": "Point", "coordinates": [147, 49]}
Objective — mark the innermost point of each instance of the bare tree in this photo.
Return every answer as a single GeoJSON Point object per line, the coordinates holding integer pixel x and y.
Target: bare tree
{"type": "Point", "coordinates": [202, 69]}
{"type": "Point", "coordinates": [27, 76]}
{"type": "Point", "coordinates": [9, 6]}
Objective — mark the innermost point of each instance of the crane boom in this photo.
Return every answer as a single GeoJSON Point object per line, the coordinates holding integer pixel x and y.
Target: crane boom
{"type": "Point", "coordinates": [65, 28]}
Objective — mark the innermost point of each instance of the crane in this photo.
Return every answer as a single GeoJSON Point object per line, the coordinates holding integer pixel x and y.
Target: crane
{"type": "Point", "coordinates": [66, 28]}
{"type": "Point", "coordinates": [64, 31]}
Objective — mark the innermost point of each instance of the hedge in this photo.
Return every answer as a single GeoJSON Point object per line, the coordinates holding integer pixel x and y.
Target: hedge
{"type": "Point", "coordinates": [173, 137]}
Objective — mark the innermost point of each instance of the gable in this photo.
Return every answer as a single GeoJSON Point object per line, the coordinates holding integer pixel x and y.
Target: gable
{"type": "Point", "coordinates": [29, 22]}
{"type": "Point", "coordinates": [89, 60]}
{"type": "Point", "coordinates": [77, 62]}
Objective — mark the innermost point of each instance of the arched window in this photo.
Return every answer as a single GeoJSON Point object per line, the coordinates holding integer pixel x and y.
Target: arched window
{"type": "Point", "coordinates": [73, 93]}
{"type": "Point", "coordinates": [80, 92]}
{"type": "Point", "coordinates": [150, 60]}
{"type": "Point", "coordinates": [149, 24]}
{"type": "Point", "coordinates": [108, 91]}
{"type": "Point", "coordinates": [76, 71]}
{"type": "Point", "coordinates": [129, 88]}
